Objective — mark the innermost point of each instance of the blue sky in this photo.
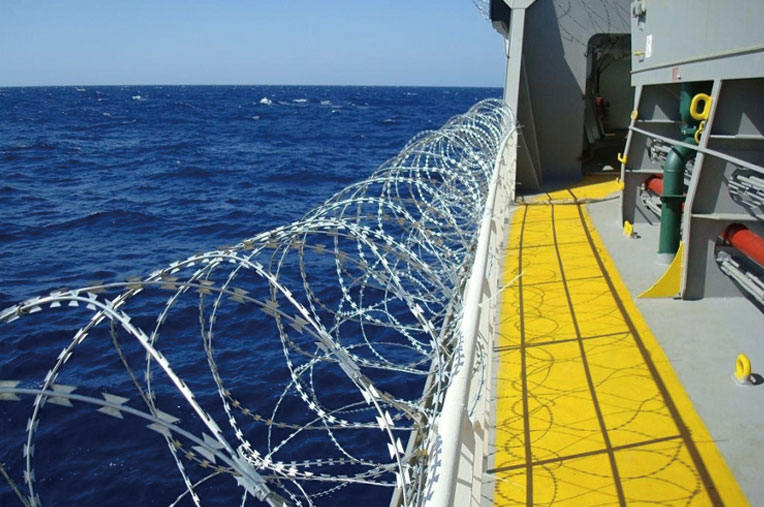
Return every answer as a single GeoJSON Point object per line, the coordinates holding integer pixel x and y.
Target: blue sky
{"type": "Point", "coordinates": [392, 42]}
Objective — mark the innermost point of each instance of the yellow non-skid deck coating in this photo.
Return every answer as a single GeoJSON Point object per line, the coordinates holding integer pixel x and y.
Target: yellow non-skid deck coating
{"type": "Point", "coordinates": [595, 186]}
{"type": "Point", "coordinates": [589, 411]}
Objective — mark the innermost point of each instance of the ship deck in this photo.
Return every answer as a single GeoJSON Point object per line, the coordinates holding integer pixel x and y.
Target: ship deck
{"type": "Point", "coordinates": [603, 398]}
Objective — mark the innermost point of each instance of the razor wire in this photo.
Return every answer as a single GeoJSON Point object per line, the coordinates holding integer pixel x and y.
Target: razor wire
{"type": "Point", "coordinates": [483, 7]}
{"type": "Point", "coordinates": [360, 299]}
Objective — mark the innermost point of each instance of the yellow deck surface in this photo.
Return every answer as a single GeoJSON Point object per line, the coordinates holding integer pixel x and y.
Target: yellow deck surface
{"type": "Point", "coordinates": [589, 411]}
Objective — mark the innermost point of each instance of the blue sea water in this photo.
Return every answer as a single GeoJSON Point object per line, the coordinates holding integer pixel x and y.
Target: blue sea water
{"type": "Point", "coordinates": [102, 183]}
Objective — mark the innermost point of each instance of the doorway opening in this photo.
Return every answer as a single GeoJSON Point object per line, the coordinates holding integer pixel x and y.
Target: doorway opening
{"type": "Point", "coordinates": [609, 98]}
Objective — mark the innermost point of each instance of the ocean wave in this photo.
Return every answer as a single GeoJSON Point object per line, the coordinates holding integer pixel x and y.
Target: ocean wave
{"type": "Point", "coordinates": [294, 174]}
{"type": "Point", "coordinates": [113, 217]}
{"type": "Point", "coordinates": [187, 105]}
{"type": "Point", "coordinates": [300, 101]}
{"type": "Point", "coordinates": [93, 127]}
{"type": "Point", "coordinates": [193, 171]}
{"type": "Point", "coordinates": [39, 144]}
{"type": "Point", "coordinates": [122, 219]}
{"type": "Point", "coordinates": [68, 163]}
{"type": "Point", "coordinates": [180, 171]}
{"type": "Point", "coordinates": [266, 101]}
{"type": "Point", "coordinates": [173, 148]}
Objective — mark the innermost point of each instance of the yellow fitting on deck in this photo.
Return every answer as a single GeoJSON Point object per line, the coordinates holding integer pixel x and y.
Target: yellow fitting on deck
{"type": "Point", "coordinates": [621, 158]}
{"type": "Point", "coordinates": [699, 131]}
{"type": "Point", "coordinates": [743, 369]}
{"type": "Point", "coordinates": [703, 114]}
{"type": "Point", "coordinates": [669, 284]}
{"type": "Point", "coordinates": [628, 229]}
{"type": "Point", "coordinates": [634, 114]}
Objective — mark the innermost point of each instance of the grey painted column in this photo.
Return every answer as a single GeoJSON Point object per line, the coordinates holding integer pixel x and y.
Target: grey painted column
{"type": "Point", "coordinates": [528, 174]}
{"type": "Point", "coordinates": [514, 55]}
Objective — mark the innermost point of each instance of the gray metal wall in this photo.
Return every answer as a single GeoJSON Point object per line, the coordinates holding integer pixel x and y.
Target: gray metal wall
{"type": "Point", "coordinates": [692, 40]}
{"type": "Point", "coordinates": [554, 53]}
{"type": "Point", "coordinates": [718, 44]}
{"type": "Point", "coordinates": [552, 80]}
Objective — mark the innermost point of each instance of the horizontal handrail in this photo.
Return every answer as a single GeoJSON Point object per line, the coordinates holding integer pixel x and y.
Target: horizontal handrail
{"type": "Point", "coordinates": [706, 151]}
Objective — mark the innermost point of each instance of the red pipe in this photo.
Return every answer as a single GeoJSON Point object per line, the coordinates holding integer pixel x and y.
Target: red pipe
{"type": "Point", "coordinates": [655, 184]}
{"type": "Point", "coordinates": [746, 241]}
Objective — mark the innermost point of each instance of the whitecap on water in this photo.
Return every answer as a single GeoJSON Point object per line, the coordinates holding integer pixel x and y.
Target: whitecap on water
{"type": "Point", "coordinates": [326, 102]}
{"type": "Point", "coordinates": [300, 101]}
{"type": "Point", "coordinates": [137, 97]}
{"type": "Point", "coordinates": [266, 101]}
{"type": "Point", "coordinates": [256, 117]}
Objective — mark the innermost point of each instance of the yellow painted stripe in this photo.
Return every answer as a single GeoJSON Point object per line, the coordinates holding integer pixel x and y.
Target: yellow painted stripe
{"type": "Point", "coordinates": [725, 482]}
{"type": "Point", "coordinates": [589, 410]}
{"type": "Point", "coordinates": [593, 187]}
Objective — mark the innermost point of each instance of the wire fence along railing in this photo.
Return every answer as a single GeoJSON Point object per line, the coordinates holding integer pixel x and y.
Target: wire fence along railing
{"type": "Point", "coordinates": [288, 367]}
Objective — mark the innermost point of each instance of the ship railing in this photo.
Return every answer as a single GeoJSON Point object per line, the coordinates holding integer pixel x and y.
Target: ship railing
{"type": "Point", "coordinates": [456, 446]}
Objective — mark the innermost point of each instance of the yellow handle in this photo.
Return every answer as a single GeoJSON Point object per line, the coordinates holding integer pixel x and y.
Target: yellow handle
{"type": "Point", "coordinates": [699, 131]}
{"type": "Point", "coordinates": [628, 229]}
{"type": "Point", "coordinates": [742, 367]}
{"type": "Point", "coordinates": [706, 100]}
{"type": "Point", "coordinates": [621, 158]}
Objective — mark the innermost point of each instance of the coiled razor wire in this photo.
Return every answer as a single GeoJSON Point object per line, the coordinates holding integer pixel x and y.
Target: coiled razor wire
{"type": "Point", "coordinates": [483, 7]}
{"type": "Point", "coordinates": [360, 298]}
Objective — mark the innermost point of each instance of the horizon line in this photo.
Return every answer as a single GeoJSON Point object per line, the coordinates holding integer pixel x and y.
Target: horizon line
{"type": "Point", "coordinates": [242, 84]}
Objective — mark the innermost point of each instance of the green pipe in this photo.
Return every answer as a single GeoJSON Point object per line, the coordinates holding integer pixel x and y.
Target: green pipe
{"type": "Point", "coordinates": [673, 178]}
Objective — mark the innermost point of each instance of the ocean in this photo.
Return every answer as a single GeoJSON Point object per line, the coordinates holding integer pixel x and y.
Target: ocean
{"type": "Point", "coordinates": [106, 183]}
